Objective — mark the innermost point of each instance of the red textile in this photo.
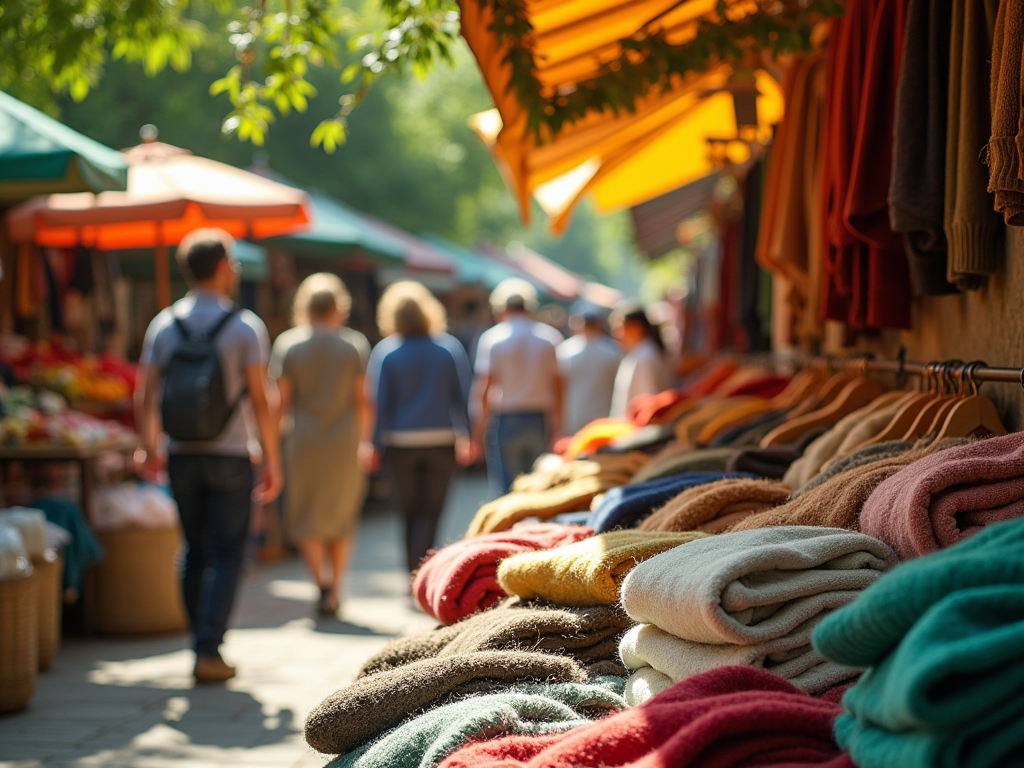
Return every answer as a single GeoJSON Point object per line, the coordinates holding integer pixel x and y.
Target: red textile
{"type": "Point", "coordinates": [726, 718]}
{"type": "Point", "coordinates": [710, 379]}
{"type": "Point", "coordinates": [645, 409]}
{"type": "Point", "coordinates": [462, 578]}
{"type": "Point", "coordinates": [763, 386]}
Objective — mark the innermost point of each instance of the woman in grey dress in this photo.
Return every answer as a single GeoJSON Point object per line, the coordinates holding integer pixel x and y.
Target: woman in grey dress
{"type": "Point", "coordinates": [319, 367]}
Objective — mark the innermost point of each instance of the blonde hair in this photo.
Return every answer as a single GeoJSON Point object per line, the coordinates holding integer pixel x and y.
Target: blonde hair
{"type": "Point", "coordinates": [318, 297]}
{"type": "Point", "coordinates": [409, 309]}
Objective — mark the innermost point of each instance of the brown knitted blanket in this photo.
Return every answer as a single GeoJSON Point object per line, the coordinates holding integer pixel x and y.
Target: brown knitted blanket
{"type": "Point", "coordinates": [715, 506]}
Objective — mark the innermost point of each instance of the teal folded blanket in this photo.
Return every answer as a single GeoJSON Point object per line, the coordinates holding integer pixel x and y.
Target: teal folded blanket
{"type": "Point", "coordinates": [526, 709]}
{"type": "Point", "coordinates": [942, 638]}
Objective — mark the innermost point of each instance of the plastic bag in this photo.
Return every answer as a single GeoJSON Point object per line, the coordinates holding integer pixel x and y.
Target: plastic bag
{"type": "Point", "coordinates": [130, 505]}
{"type": "Point", "coordinates": [14, 559]}
{"type": "Point", "coordinates": [31, 524]}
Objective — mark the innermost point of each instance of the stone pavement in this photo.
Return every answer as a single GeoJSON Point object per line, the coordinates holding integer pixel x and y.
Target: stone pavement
{"type": "Point", "coordinates": [116, 702]}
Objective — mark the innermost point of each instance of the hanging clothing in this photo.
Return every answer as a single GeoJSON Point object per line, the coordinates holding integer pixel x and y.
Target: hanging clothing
{"type": "Point", "coordinates": [1004, 148]}
{"type": "Point", "coordinates": [918, 185]}
{"type": "Point", "coordinates": [973, 228]}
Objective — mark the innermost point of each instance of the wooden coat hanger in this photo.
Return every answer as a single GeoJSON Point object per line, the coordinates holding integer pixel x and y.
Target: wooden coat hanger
{"type": "Point", "coordinates": [906, 415]}
{"type": "Point", "coordinates": [801, 387]}
{"type": "Point", "coordinates": [944, 400]}
{"type": "Point", "coordinates": [854, 395]}
{"type": "Point", "coordinates": [974, 414]}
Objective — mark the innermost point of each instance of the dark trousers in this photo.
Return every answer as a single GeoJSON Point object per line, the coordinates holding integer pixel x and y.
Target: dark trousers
{"type": "Point", "coordinates": [214, 496]}
{"type": "Point", "coordinates": [420, 479]}
{"type": "Point", "coordinates": [514, 442]}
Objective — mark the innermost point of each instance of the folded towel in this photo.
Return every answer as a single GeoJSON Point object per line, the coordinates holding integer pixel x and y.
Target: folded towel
{"type": "Point", "coordinates": [377, 703]}
{"type": "Point", "coordinates": [588, 572]}
{"type": "Point", "coordinates": [645, 683]}
{"type": "Point", "coordinates": [753, 586]}
{"type": "Point", "coordinates": [727, 718]}
{"type": "Point", "coordinates": [462, 578]}
{"type": "Point", "coordinates": [676, 458]}
{"type": "Point", "coordinates": [948, 496]}
{"type": "Point", "coordinates": [586, 634]}
{"type": "Point", "coordinates": [715, 506]}
{"type": "Point", "coordinates": [525, 709]}
{"type": "Point", "coordinates": [790, 656]}
{"type": "Point", "coordinates": [504, 512]}
{"type": "Point", "coordinates": [626, 506]}
{"type": "Point", "coordinates": [941, 638]}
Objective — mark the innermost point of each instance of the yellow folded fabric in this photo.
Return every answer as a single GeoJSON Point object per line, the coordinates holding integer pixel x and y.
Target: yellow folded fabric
{"type": "Point", "coordinates": [588, 572]}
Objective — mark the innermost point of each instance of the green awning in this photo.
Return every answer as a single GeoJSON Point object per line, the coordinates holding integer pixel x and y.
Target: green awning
{"type": "Point", "coordinates": [474, 267]}
{"type": "Point", "coordinates": [337, 230]}
{"type": "Point", "coordinates": [138, 264]}
{"type": "Point", "coordinates": [40, 155]}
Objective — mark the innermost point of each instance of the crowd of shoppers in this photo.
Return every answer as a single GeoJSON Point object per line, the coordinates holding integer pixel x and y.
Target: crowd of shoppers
{"type": "Point", "coordinates": [414, 407]}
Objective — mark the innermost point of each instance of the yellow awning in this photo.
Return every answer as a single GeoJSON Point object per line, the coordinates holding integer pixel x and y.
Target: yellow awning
{"type": "Point", "coordinates": [621, 159]}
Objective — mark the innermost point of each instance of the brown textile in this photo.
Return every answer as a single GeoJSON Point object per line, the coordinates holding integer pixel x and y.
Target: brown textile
{"type": "Point", "coordinates": [610, 466]}
{"type": "Point", "coordinates": [586, 634]}
{"type": "Point", "coordinates": [974, 229]}
{"type": "Point", "coordinates": [377, 703]}
{"type": "Point", "coordinates": [575, 496]}
{"type": "Point", "coordinates": [701, 506]}
{"type": "Point", "coordinates": [1004, 159]}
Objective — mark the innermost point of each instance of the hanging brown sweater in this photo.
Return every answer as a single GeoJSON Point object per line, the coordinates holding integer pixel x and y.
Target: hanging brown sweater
{"type": "Point", "coordinates": [1004, 159]}
{"type": "Point", "coordinates": [917, 188]}
{"type": "Point", "coordinates": [973, 228]}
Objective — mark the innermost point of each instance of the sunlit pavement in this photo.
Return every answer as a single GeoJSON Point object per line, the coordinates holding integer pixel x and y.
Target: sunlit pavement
{"type": "Point", "coordinates": [132, 702]}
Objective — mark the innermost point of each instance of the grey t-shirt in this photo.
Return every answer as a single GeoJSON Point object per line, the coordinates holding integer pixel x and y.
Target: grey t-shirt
{"type": "Point", "coordinates": [242, 342]}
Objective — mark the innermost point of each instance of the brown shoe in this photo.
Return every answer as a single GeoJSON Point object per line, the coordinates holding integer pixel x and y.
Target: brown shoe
{"type": "Point", "coordinates": [212, 669]}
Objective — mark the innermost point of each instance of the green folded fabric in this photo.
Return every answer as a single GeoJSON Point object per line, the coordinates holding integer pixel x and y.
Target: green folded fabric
{"type": "Point", "coordinates": [525, 709]}
{"type": "Point", "coordinates": [942, 638]}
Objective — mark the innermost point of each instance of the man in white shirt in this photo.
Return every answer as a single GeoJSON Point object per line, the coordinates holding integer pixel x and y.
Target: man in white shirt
{"type": "Point", "coordinates": [519, 390]}
{"type": "Point", "coordinates": [588, 363]}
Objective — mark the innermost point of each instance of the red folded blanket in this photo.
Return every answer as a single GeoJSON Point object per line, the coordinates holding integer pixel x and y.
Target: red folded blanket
{"type": "Point", "coordinates": [726, 718]}
{"type": "Point", "coordinates": [462, 578]}
{"type": "Point", "coordinates": [948, 496]}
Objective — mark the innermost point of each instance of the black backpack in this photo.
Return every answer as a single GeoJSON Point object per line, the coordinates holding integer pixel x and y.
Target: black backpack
{"type": "Point", "coordinates": [195, 407]}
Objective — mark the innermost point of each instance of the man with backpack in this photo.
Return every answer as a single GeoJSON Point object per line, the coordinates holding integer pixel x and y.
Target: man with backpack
{"type": "Point", "coordinates": [203, 382]}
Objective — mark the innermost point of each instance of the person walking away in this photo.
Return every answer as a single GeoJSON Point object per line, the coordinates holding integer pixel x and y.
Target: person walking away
{"type": "Point", "coordinates": [644, 370]}
{"type": "Point", "coordinates": [417, 383]}
{"type": "Point", "coordinates": [203, 380]}
{"type": "Point", "coordinates": [319, 365]}
{"type": "Point", "coordinates": [519, 389]}
{"type": "Point", "coordinates": [588, 363]}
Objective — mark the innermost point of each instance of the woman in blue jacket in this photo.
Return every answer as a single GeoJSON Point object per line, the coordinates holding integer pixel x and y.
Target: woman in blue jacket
{"type": "Point", "coordinates": [418, 380]}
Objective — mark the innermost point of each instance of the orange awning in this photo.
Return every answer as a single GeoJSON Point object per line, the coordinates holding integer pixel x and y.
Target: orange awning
{"type": "Point", "coordinates": [671, 137]}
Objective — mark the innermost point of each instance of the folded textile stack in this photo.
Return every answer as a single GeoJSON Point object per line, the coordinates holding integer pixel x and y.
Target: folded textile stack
{"type": "Point", "coordinates": [726, 718]}
{"type": "Point", "coordinates": [676, 458]}
{"type": "Point", "coordinates": [715, 506]}
{"type": "Point", "coordinates": [378, 702]}
{"type": "Point", "coordinates": [941, 637]}
{"type": "Point", "coordinates": [524, 710]}
{"type": "Point", "coordinates": [745, 598]}
{"type": "Point", "coordinates": [588, 572]}
{"type": "Point", "coordinates": [586, 634]}
{"type": "Point", "coordinates": [462, 578]}
{"type": "Point", "coordinates": [626, 506]}
{"type": "Point", "coordinates": [617, 468]}
{"type": "Point", "coordinates": [948, 496]}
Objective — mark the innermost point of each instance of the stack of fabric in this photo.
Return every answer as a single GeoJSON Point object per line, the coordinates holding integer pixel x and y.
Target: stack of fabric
{"type": "Point", "coordinates": [747, 598]}
{"type": "Point", "coordinates": [588, 572]}
{"type": "Point", "coordinates": [462, 578]}
{"type": "Point", "coordinates": [626, 506]}
{"type": "Point", "coordinates": [726, 718]}
{"type": "Point", "coordinates": [942, 638]}
{"type": "Point", "coordinates": [715, 506]}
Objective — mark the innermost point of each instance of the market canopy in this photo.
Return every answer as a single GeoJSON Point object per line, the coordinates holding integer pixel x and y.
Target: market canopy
{"type": "Point", "coordinates": [420, 256]}
{"type": "Point", "coordinates": [337, 229]}
{"type": "Point", "coordinates": [171, 192]}
{"type": "Point", "coordinates": [547, 62]}
{"type": "Point", "coordinates": [138, 263]}
{"type": "Point", "coordinates": [655, 223]}
{"type": "Point", "coordinates": [553, 279]}
{"type": "Point", "coordinates": [40, 155]}
{"type": "Point", "coordinates": [476, 267]}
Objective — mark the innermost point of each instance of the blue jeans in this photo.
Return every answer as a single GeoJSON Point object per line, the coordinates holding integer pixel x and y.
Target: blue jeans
{"type": "Point", "coordinates": [514, 441]}
{"type": "Point", "coordinates": [214, 496]}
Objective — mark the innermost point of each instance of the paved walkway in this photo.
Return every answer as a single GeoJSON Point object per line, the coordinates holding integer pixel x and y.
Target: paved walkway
{"type": "Point", "coordinates": [117, 703]}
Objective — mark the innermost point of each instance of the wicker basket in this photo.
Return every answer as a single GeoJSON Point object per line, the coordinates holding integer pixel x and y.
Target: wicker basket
{"type": "Point", "coordinates": [136, 586]}
{"type": "Point", "coordinates": [19, 644]}
{"type": "Point", "coordinates": [48, 570]}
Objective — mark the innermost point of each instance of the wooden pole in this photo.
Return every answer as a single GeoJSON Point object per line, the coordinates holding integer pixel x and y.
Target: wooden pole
{"type": "Point", "coordinates": [162, 269]}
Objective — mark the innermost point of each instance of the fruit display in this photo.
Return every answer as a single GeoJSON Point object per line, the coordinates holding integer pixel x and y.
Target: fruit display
{"type": "Point", "coordinates": [43, 419]}
{"type": "Point", "coordinates": [92, 378]}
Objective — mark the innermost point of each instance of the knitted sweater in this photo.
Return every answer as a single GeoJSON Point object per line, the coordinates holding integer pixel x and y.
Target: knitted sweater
{"type": "Point", "coordinates": [526, 709]}
{"type": "Point", "coordinates": [1006, 174]}
{"type": "Point", "coordinates": [588, 572]}
{"type": "Point", "coordinates": [462, 578]}
{"type": "Point", "coordinates": [715, 506]}
{"type": "Point", "coordinates": [727, 718]}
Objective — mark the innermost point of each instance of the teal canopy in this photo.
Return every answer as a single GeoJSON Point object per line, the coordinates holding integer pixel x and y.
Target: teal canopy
{"type": "Point", "coordinates": [337, 229]}
{"type": "Point", "coordinates": [475, 267]}
{"type": "Point", "coordinates": [40, 155]}
{"type": "Point", "coordinates": [137, 264]}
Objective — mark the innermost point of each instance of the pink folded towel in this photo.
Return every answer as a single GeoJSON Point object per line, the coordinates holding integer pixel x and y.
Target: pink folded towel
{"type": "Point", "coordinates": [948, 496]}
{"type": "Point", "coordinates": [462, 578]}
